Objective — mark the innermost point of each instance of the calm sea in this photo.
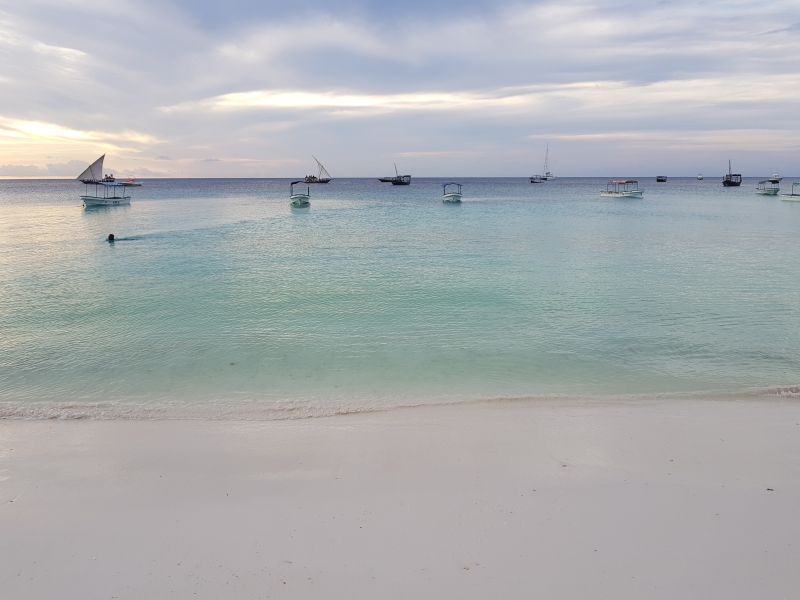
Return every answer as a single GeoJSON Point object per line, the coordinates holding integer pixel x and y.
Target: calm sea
{"type": "Point", "coordinates": [220, 300]}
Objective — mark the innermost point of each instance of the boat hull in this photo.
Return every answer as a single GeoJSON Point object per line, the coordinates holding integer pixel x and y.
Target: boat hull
{"type": "Point", "coordinates": [790, 197]}
{"type": "Point", "coordinates": [451, 198]}
{"type": "Point", "coordinates": [299, 201]}
{"type": "Point", "coordinates": [767, 192]}
{"type": "Point", "coordinates": [92, 201]}
{"type": "Point", "coordinates": [630, 194]}
{"type": "Point", "coordinates": [397, 180]}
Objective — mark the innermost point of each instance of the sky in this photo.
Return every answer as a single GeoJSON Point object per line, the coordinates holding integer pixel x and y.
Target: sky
{"type": "Point", "coordinates": [247, 88]}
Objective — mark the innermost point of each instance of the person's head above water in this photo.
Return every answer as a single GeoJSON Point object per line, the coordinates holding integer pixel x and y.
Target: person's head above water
{"type": "Point", "coordinates": [110, 237]}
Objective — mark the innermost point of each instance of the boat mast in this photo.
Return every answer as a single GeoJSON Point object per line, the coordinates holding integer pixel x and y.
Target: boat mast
{"type": "Point", "coordinates": [546, 154]}
{"type": "Point", "coordinates": [322, 172]}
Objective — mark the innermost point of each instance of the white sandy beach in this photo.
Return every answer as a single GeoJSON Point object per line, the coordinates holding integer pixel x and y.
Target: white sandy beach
{"type": "Point", "coordinates": [546, 499]}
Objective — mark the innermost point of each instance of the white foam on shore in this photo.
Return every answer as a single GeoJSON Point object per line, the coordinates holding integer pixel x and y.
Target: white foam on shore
{"type": "Point", "coordinates": [254, 410]}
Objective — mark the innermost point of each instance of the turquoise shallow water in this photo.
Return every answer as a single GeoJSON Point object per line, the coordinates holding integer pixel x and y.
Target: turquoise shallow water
{"type": "Point", "coordinates": [219, 298]}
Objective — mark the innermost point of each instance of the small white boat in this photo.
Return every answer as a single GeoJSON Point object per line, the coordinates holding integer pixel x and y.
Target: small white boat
{"type": "Point", "coordinates": [794, 196]}
{"type": "Point", "coordinates": [107, 190]}
{"type": "Point", "coordinates": [299, 199]}
{"type": "Point", "coordinates": [622, 188]}
{"type": "Point", "coordinates": [113, 195]}
{"type": "Point", "coordinates": [768, 187]}
{"type": "Point", "coordinates": [451, 193]}
{"type": "Point", "coordinates": [700, 177]}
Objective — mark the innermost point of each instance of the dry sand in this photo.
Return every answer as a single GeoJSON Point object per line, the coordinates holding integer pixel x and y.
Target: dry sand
{"type": "Point", "coordinates": [659, 499]}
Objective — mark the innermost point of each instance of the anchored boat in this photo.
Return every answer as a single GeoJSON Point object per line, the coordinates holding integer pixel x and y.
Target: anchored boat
{"type": "Point", "coordinates": [107, 191]}
{"type": "Point", "coordinates": [546, 174]}
{"type": "Point", "coordinates": [397, 179]}
{"type": "Point", "coordinates": [731, 179]}
{"type": "Point", "coordinates": [794, 196]}
{"type": "Point", "coordinates": [322, 175]}
{"type": "Point", "coordinates": [451, 193]}
{"type": "Point", "coordinates": [299, 199]}
{"type": "Point", "coordinates": [769, 187]}
{"type": "Point", "coordinates": [622, 188]}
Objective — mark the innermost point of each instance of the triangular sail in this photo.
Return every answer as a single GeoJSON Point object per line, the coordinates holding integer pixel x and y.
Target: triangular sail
{"type": "Point", "coordinates": [94, 172]}
{"type": "Point", "coordinates": [322, 172]}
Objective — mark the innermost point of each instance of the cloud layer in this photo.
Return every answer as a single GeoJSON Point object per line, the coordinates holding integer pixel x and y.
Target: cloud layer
{"type": "Point", "coordinates": [459, 88]}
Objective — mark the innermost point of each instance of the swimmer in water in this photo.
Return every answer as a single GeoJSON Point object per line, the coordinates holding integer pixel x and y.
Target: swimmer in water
{"type": "Point", "coordinates": [110, 238]}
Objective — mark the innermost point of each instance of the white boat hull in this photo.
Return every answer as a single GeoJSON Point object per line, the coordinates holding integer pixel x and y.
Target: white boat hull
{"type": "Point", "coordinates": [629, 194]}
{"type": "Point", "coordinates": [790, 197]}
{"type": "Point", "coordinates": [299, 201]}
{"type": "Point", "coordinates": [99, 201]}
{"type": "Point", "coordinates": [768, 192]}
{"type": "Point", "coordinates": [451, 198]}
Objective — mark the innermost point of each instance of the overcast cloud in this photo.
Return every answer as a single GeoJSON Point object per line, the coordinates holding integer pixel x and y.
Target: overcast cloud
{"type": "Point", "coordinates": [443, 88]}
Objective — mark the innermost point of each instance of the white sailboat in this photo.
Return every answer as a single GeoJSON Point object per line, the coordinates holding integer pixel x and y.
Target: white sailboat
{"type": "Point", "coordinates": [322, 175]}
{"type": "Point", "coordinates": [546, 174]}
{"type": "Point", "coordinates": [107, 190]}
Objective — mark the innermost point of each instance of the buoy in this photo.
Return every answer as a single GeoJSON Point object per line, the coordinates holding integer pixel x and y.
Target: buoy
{"type": "Point", "coordinates": [110, 237]}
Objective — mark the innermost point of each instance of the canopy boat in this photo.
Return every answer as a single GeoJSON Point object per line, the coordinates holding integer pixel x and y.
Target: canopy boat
{"type": "Point", "coordinates": [107, 190]}
{"type": "Point", "coordinates": [299, 199]}
{"type": "Point", "coordinates": [731, 179]}
{"type": "Point", "coordinates": [546, 174]}
{"type": "Point", "coordinates": [795, 195]}
{"type": "Point", "coordinates": [397, 179]}
{"type": "Point", "coordinates": [322, 175]}
{"type": "Point", "coordinates": [768, 187]}
{"type": "Point", "coordinates": [622, 188]}
{"type": "Point", "coordinates": [451, 193]}
{"type": "Point", "coordinates": [661, 179]}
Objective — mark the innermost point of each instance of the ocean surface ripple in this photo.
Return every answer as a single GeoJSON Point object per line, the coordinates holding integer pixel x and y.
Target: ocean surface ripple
{"type": "Point", "coordinates": [218, 299]}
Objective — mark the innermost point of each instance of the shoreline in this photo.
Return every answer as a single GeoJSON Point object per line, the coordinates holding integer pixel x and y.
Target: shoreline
{"type": "Point", "coordinates": [294, 409]}
{"type": "Point", "coordinates": [563, 499]}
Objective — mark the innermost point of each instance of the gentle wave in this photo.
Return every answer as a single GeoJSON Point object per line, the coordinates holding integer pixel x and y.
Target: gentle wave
{"type": "Point", "coordinates": [294, 410]}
